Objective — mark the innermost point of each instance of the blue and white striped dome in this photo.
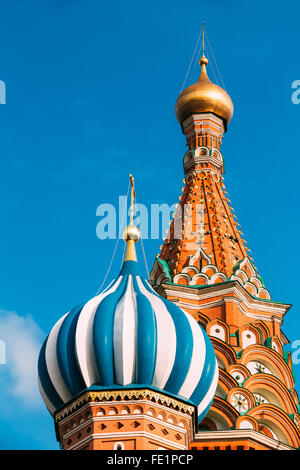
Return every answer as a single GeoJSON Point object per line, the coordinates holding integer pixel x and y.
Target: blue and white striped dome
{"type": "Point", "coordinates": [128, 337]}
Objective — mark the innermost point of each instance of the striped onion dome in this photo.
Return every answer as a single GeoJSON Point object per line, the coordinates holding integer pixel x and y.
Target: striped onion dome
{"type": "Point", "coordinates": [128, 337]}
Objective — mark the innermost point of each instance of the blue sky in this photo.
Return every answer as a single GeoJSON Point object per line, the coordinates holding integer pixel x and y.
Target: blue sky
{"type": "Point", "coordinates": [91, 88]}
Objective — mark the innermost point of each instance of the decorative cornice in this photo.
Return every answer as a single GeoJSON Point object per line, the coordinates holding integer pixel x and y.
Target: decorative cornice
{"type": "Point", "coordinates": [192, 162]}
{"type": "Point", "coordinates": [234, 287]}
{"type": "Point", "coordinates": [203, 117]}
{"type": "Point", "coordinates": [113, 395]}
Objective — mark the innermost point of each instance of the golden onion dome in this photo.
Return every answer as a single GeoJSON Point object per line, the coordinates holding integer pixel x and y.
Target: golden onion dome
{"type": "Point", "coordinates": [204, 97]}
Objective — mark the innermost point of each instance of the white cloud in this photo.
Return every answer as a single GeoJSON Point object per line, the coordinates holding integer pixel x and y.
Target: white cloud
{"type": "Point", "coordinates": [23, 338]}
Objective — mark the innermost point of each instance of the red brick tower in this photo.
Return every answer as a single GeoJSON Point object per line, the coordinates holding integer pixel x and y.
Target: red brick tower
{"type": "Point", "coordinates": [205, 267]}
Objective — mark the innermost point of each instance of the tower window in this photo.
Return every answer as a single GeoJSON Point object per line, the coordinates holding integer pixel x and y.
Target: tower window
{"type": "Point", "coordinates": [119, 446]}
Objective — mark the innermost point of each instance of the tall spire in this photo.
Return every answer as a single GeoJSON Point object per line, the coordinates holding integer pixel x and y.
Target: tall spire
{"type": "Point", "coordinates": [203, 38]}
{"type": "Point", "coordinates": [210, 247]}
{"type": "Point", "coordinates": [131, 233]}
{"type": "Point", "coordinates": [203, 61]}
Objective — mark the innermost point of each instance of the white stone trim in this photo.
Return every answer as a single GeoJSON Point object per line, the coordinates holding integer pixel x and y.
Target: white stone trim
{"type": "Point", "coordinates": [217, 303]}
{"type": "Point", "coordinates": [235, 288]}
{"type": "Point", "coordinates": [241, 433]}
{"type": "Point", "coordinates": [150, 418]}
{"type": "Point", "coordinates": [126, 435]}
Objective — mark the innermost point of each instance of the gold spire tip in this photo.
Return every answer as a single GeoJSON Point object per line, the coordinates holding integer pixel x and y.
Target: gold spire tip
{"type": "Point", "coordinates": [131, 233]}
{"type": "Point", "coordinates": [203, 60]}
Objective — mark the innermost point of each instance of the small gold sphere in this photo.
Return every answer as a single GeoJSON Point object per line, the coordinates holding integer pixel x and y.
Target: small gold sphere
{"type": "Point", "coordinates": [131, 233]}
{"type": "Point", "coordinates": [203, 60]}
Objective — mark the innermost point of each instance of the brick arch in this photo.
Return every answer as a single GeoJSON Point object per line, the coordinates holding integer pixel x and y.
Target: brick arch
{"type": "Point", "coordinates": [201, 151]}
{"type": "Point", "coordinates": [245, 393]}
{"type": "Point", "coordinates": [271, 359]}
{"type": "Point", "coordinates": [162, 415]}
{"type": "Point", "coordinates": [100, 411]}
{"type": "Point", "coordinates": [112, 410]}
{"type": "Point", "coordinates": [294, 395]}
{"type": "Point", "coordinates": [138, 410]}
{"type": "Point", "coordinates": [251, 288]}
{"type": "Point", "coordinates": [125, 410]}
{"type": "Point", "coordinates": [182, 279]}
{"type": "Point", "coordinates": [226, 382]}
{"type": "Point", "coordinates": [202, 319]}
{"type": "Point", "coordinates": [216, 153]}
{"type": "Point", "coordinates": [262, 327]}
{"type": "Point", "coordinates": [223, 351]}
{"type": "Point", "coordinates": [151, 412]}
{"type": "Point", "coordinates": [271, 387]}
{"type": "Point", "coordinates": [200, 279]}
{"type": "Point", "coordinates": [275, 341]}
{"type": "Point", "coordinates": [247, 422]}
{"type": "Point", "coordinates": [278, 421]}
{"type": "Point", "coordinates": [73, 424]}
{"type": "Point", "coordinates": [208, 423]}
{"type": "Point", "coordinates": [218, 278]}
{"type": "Point", "coordinates": [222, 414]}
{"type": "Point", "coordinates": [66, 428]}
{"type": "Point", "coordinates": [222, 325]}
{"type": "Point", "coordinates": [252, 329]}
{"type": "Point", "coordinates": [172, 417]}
{"type": "Point", "coordinates": [182, 423]}
{"type": "Point", "coordinates": [240, 369]}
{"type": "Point", "coordinates": [263, 429]}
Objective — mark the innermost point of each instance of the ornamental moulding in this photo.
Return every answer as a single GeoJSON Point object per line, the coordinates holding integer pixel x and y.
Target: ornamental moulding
{"type": "Point", "coordinates": [120, 395]}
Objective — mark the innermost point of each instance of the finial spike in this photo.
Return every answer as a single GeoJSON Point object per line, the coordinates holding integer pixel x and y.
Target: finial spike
{"type": "Point", "coordinates": [131, 234]}
{"type": "Point", "coordinates": [132, 197]}
{"type": "Point", "coordinates": [203, 37]}
{"type": "Point", "coordinates": [203, 60]}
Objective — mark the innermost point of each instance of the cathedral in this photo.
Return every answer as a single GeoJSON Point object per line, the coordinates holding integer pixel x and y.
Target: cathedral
{"type": "Point", "coordinates": [193, 357]}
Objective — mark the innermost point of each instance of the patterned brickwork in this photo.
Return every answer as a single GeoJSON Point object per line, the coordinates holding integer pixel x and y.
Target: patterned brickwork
{"type": "Point", "coordinates": [125, 420]}
{"type": "Point", "coordinates": [206, 268]}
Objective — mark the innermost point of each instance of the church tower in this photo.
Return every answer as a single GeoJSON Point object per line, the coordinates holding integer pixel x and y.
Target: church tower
{"type": "Point", "coordinates": [205, 267]}
{"type": "Point", "coordinates": [194, 358]}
